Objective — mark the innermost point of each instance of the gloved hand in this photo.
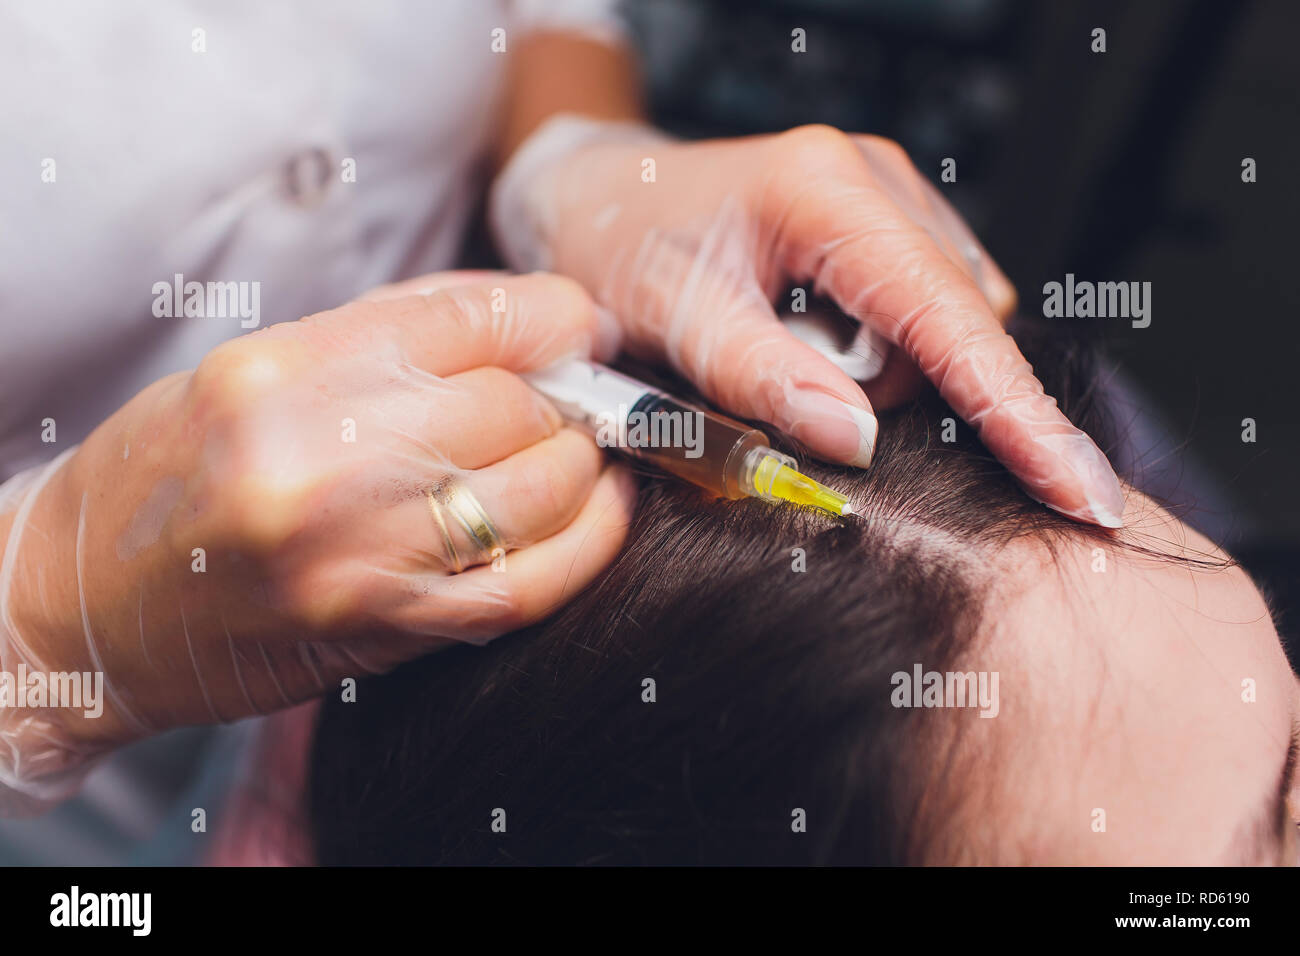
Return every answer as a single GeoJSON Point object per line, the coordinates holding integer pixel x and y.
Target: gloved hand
{"type": "Point", "coordinates": [293, 511]}
{"type": "Point", "coordinates": [686, 244]}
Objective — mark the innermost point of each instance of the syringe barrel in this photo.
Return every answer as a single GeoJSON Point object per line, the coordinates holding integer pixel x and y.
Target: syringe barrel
{"type": "Point", "coordinates": [718, 457]}
{"type": "Point", "coordinates": [697, 445]}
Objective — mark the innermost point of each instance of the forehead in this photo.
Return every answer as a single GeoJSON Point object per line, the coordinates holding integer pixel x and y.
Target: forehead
{"type": "Point", "coordinates": [1147, 693]}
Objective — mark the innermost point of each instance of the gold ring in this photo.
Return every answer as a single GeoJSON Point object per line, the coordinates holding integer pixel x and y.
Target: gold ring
{"type": "Point", "coordinates": [469, 514]}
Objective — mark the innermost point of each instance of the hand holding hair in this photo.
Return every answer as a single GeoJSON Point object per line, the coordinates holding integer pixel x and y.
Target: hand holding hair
{"type": "Point", "coordinates": [688, 244]}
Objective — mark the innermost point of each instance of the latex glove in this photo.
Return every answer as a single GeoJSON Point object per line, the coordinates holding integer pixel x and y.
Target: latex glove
{"type": "Point", "coordinates": [298, 460]}
{"type": "Point", "coordinates": [690, 262]}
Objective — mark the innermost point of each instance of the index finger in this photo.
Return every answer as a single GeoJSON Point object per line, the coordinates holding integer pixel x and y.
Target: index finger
{"type": "Point", "coordinates": [519, 323]}
{"type": "Point", "coordinates": [878, 266]}
{"type": "Point", "coordinates": [432, 282]}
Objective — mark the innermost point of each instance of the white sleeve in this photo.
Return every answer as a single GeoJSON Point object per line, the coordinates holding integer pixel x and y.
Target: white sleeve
{"type": "Point", "coordinates": [596, 20]}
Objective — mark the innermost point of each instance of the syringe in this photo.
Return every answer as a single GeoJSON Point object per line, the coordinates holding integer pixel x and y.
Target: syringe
{"type": "Point", "coordinates": [707, 449]}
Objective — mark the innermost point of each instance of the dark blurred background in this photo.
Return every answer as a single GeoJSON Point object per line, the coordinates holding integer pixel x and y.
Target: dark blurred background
{"type": "Point", "coordinates": [1116, 166]}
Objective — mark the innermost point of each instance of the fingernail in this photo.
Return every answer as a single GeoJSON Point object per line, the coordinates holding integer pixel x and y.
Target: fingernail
{"type": "Point", "coordinates": [868, 428]}
{"type": "Point", "coordinates": [1100, 485]}
{"type": "Point", "coordinates": [833, 427]}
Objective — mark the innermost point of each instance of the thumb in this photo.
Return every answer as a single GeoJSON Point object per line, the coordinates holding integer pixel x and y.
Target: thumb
{"type": "Point", "coordinates": [779, 379]}
{"type": "Point", "coordinates": [744, 359]}
{"type": "Point", "coordinates": [695, 300]}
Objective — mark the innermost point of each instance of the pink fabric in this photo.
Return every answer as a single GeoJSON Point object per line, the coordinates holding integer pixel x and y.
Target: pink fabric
{"type": "Point", "coordinates": [263, 823]}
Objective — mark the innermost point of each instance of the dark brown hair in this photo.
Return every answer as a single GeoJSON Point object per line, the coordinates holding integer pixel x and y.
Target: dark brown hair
{"type": "Point", "coordinates": [771, 684]}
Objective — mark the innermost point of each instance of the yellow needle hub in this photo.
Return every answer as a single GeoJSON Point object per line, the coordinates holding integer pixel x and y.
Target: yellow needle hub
{"type": "Point", "coordinates": [779, 480]}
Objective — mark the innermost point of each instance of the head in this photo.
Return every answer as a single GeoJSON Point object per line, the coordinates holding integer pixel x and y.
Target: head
{"type": "Point", "coordinates": [954, 675]}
